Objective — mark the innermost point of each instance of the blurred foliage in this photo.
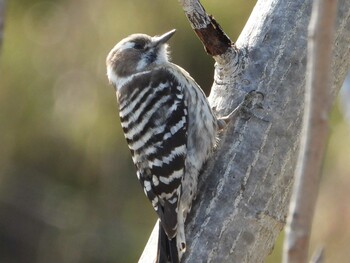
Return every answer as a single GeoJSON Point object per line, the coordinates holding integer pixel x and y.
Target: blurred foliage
{"type": "Point", "coordinates": [68, 189]}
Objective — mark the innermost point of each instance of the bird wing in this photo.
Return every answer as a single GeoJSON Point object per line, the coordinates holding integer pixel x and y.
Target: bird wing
{"type": "Point", "coordinates": [155, 125]}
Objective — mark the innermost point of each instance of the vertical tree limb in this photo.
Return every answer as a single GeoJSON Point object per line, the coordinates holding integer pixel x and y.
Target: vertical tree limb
{"type": "Point", "coordinates": [318, 101]}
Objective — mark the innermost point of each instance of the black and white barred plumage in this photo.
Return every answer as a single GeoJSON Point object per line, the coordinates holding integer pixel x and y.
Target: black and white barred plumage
{"type": "Point", "coordinates": [169, 127]}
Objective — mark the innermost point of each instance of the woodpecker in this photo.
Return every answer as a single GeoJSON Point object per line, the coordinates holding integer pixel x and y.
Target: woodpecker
{"type": "Point", "coordinates": [170, 129]}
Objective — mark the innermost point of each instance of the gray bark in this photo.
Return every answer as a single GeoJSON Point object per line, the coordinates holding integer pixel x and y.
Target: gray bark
{"type": "Point", "coordinates": [244, 191]}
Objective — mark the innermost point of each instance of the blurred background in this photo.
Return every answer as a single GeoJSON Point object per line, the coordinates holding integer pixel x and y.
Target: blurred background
{"type": "Point", "coordinates": [68, 189]}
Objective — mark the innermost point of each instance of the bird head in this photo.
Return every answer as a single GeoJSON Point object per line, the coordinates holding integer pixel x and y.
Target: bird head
{"type": "Point", "coordinates": [135, 54]}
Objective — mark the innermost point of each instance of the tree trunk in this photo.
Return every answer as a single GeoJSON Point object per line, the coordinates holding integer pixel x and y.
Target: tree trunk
{"type": "Point", "coordinates": [244, 192]}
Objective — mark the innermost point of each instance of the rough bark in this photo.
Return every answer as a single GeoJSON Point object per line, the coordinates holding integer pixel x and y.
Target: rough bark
{"type": "Point", "coordinates": [245, 189]}
{"type": "Point", "coordinates": [314, 135]}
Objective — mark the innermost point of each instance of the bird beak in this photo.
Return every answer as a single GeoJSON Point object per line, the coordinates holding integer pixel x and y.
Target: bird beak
{"type": "Point", "coordinates": [164, 38]}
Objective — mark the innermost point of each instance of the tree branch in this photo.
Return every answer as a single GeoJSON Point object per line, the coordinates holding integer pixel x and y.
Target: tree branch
{"type": "Point", "coordinates": [318, 101]}
{"type": "Point", "coordinates": [215, 41]}
{"type": "Point", "coordinates": [244, 192]}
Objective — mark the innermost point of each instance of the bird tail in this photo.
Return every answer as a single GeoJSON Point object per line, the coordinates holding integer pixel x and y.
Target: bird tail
{"type": "Point", "coordinates": [167, 249]}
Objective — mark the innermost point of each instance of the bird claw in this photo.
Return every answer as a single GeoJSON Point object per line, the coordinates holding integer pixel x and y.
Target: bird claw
{"type": "Point", "coordinates": [252, 99]}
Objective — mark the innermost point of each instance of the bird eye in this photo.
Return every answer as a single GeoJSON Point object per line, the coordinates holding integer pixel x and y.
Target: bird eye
{"type": "Point", "coordinates": [139, 45]}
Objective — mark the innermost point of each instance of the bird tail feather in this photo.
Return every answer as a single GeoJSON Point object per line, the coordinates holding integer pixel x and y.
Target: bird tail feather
{"type": "Point", "coordinates": [167, 249]}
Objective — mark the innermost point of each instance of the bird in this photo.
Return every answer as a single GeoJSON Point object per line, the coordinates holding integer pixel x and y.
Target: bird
{"type": "Point", "coordinates": [170, 129]}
